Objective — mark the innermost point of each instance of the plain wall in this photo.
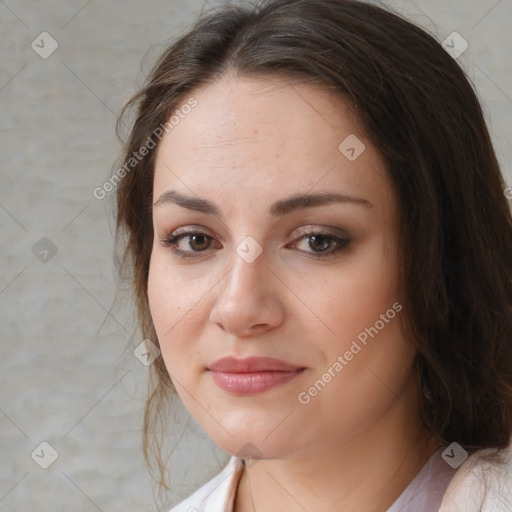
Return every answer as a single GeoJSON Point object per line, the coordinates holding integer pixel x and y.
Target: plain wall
{"type": "Point", "coordinates": [67, 370]}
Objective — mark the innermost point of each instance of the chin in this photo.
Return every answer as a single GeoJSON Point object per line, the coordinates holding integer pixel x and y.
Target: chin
{"type": "Point", "coordinates": [252, 434]}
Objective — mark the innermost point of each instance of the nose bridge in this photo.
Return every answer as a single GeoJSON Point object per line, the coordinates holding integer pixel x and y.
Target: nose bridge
{"type": "Point", "coordinates": [247, 297]}
{"type": "Point", "coordinates": [246, 278]}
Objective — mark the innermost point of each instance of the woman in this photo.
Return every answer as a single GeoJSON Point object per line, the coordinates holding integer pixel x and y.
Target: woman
{"type": "Point", "coordinates": [320, 246]}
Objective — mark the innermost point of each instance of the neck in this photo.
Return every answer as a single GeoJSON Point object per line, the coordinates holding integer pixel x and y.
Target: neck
{"type": "Point", "coordinates": [366, 473]}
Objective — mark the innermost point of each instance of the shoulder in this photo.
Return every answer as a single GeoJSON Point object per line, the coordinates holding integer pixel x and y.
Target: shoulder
{"type": "Point", "coordinates": [215, 494]}
{"type": "Point", "coordinates": [481, 484]}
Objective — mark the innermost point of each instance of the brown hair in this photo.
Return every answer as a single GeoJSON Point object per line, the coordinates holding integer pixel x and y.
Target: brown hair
{"type": "Point", "coordinates": [420, 111]}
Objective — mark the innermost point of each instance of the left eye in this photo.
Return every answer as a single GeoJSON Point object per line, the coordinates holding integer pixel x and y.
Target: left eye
{"type": "Point", "coordinates": [322, 244]}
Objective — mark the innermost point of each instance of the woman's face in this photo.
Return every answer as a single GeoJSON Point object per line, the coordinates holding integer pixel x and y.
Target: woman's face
{"type": "Point", "coordinates": [286, 225]}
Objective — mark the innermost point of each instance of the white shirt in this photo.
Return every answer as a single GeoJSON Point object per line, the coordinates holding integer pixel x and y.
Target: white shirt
{"type": "Point", "coordinates": [476, 486]}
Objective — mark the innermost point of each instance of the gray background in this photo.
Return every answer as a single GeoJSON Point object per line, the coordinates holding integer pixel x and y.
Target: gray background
{"type": "Point", "coordinates": [67, 370]}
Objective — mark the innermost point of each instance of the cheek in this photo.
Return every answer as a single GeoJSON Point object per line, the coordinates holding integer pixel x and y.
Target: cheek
{"type": "Point", "coordinates": [162, 304]}
{"type": "Point", "coordinates": [362, 308]}
{"type": "Point", "coordinates": [376, 358]}
{"type": "Point", "coordinates": [171, 303]}
{"type": "Point", "coordinates": [354, 298]}
{"type": "Point", "coordinates": [173, 292]}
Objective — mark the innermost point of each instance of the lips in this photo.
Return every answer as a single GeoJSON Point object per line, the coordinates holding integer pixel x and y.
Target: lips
{"type": "Point", "coordinates": [252, 375]}
{"type": "Point", "coordinates": [251, 364]}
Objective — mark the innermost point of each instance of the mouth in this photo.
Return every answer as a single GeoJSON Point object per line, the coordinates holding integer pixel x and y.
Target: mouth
{"type": "Point", "coordinates": [252, 375]}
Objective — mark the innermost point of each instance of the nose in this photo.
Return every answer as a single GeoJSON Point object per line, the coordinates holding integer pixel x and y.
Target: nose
{"type": "Point", "coordinates": [248, 301]}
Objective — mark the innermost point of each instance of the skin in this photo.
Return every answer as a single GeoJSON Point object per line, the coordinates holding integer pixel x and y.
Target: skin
{"type": "Point", "coordinates": [248, 143]}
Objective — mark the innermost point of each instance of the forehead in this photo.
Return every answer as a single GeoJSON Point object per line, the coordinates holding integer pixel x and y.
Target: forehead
{"type": "Point", "coordinates": [269, 138]}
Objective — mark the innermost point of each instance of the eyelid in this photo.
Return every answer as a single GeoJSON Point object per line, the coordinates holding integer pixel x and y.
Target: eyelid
{"type": "Point", "coordinates": [325, 230]}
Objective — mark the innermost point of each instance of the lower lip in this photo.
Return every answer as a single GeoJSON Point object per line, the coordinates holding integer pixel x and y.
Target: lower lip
{"type": "Point", "coordinates": [251, 383]}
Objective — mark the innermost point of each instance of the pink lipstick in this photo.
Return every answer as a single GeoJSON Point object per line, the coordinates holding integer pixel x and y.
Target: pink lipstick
{"type": "Point", "coordinates": [252, 375]}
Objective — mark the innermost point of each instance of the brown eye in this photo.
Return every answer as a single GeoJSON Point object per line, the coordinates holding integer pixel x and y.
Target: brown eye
{"type": "Point", "coordinates": [199, 241]}
{"type": "Point", "coordinates": [320, 245]}
{"type": "Point", "coordinates": [187, 245]}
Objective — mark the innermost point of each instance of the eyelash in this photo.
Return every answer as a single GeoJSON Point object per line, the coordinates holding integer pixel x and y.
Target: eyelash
{"type": "Point", "coordinates": [172, 241]}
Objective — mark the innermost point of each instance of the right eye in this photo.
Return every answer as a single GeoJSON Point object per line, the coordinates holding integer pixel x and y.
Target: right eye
{"type": "Point", "coordinates": [186, 244]}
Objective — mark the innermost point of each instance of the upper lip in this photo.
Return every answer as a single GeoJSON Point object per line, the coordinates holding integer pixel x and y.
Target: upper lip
{"type": "Point", "coordinates": [252, 364]}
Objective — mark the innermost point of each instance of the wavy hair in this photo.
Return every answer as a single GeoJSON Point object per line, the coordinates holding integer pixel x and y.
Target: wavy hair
{"type": "Point", "coordinates": [420, 110]}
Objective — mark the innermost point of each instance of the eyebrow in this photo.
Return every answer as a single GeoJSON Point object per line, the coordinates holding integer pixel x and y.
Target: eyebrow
{"type": "Point", "coordinates": [278, 209]}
